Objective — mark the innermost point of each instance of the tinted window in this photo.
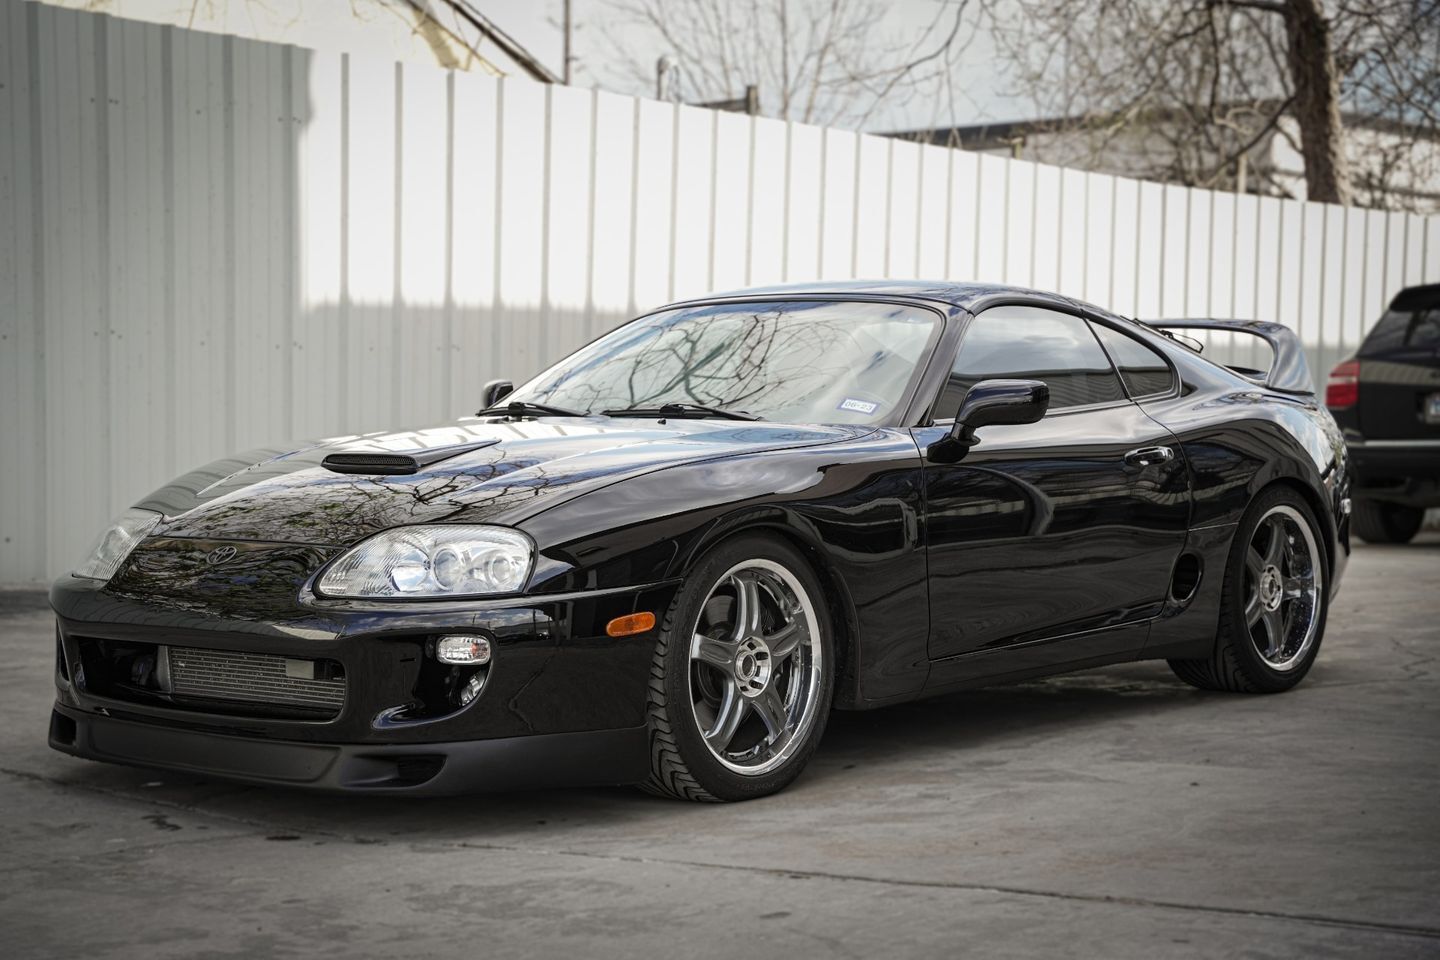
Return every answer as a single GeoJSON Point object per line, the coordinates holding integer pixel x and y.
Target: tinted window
{"type": "Point", "coordinates": [1413, 320]}
{"type": "Point", "coordinates": [1030, 343]}
{"type": "Point", "coordinates": [1144, 371]}
{"type": "Point", "coordinates": [794, 361]}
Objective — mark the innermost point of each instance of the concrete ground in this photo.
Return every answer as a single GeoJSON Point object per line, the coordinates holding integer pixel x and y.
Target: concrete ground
{"type": "Point", "coordinates": [1116, 813]}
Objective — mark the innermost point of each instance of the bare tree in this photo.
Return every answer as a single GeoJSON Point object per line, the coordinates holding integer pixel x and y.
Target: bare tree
{"type": "Point", "coordinates": [1192, 87]}
{"type": "Point", "coordinates": [817, 61]}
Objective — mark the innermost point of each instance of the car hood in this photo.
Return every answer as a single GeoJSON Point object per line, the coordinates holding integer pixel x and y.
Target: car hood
{"type": "Point", "coordinates": [492, 470]}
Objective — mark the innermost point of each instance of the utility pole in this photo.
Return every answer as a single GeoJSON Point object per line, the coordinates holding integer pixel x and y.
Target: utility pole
{"type": "Point", "coordinates": [565, 72]}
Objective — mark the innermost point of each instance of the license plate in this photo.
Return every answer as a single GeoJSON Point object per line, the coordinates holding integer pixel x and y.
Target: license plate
{"type": "Point", "coordinates": [1432, 408]}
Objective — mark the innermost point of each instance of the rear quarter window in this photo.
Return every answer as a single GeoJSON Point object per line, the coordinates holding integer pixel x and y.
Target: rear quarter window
{"type": "Point", "coordinates": [1144, 371]}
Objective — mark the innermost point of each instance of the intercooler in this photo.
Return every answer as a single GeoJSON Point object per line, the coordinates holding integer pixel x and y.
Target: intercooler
{"type": "Point", "coordinates": [258, 678]}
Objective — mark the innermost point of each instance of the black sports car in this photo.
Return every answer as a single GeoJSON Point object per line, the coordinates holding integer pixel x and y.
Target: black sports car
{"type": "Point", "coordinates": [666, 558]}
{"type": "Point", "coordinates": [1386, 399]}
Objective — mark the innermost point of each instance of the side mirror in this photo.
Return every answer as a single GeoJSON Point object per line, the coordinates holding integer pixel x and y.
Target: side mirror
{"type": "Point", "coordinates": [495, 391]}
{"type": "Point", "coordinates": [990, 402]}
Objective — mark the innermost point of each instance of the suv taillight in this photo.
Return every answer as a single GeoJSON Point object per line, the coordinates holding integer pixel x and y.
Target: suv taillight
{"type": "Point", "coordinates": [1343, 387]}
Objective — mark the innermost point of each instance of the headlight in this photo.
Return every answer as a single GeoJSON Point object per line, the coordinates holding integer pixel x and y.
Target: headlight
{"type": "Point", "coordinates": [433, 562]}
{"type": "Point", "coordinates": [115, 544]}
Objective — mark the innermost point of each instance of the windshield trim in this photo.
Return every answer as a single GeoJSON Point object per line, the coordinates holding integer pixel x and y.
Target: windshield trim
{"type": "Point", "coordinates": [899, 414]}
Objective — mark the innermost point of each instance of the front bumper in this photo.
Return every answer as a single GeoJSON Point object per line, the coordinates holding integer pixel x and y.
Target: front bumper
{"type": "Point", "coordinates": [562, 703]}
{"type": "Point", "coordinates": [428, 769]}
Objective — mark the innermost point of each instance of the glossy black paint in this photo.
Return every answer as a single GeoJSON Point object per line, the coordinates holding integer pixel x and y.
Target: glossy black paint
{"type": "Point", "coordinates": [1044, 529]}
{"type": "Point", "coordinates": [1289, 369]}
{"type": "Point", "coordinates": [1041, 548]}
{"type": "Point", "coordinates": [988, 403]}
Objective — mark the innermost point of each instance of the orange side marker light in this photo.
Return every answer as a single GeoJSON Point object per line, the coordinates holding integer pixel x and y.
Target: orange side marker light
{"type": "Point", "coordinates": [630, 624]}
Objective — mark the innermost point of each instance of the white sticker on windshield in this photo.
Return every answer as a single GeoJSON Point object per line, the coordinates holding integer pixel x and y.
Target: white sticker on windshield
{"type": "Point", "coordinates": [858, 406]}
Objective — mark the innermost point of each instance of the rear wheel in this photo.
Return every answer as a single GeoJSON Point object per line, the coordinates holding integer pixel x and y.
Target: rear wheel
{"type": "Point", "coordinates": [741, 682]}
{"type": "Point", "coordinates": [1272, 611]}
{"type": "Point", "coordinates": [1380, 522]}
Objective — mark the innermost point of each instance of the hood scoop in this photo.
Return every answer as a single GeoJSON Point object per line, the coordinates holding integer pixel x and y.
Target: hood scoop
{"type": "Point", "coordinates": [397, 464]}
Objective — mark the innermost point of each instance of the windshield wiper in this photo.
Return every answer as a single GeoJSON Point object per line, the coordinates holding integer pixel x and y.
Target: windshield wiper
{"type": "Point", "coordinates": [519, 408]}
{"type": "Point", "coordinates": [680, 410]}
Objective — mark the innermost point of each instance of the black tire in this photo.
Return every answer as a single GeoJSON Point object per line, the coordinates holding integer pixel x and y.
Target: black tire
{"type": "Point", "coordinates": [1379, 522]}
{"type": "Point", "coordinates": [682, 765]}
{"type": "Point", "coordinates": [1237, 664]}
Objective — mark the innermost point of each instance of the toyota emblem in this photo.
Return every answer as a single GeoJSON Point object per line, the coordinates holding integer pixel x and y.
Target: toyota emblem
{"type": "Point", "coordinates": [220, 555]}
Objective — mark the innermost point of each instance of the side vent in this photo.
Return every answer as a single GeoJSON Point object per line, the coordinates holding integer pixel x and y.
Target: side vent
{"type": "Point", "coordinates": [397, 464]}
{"type": "Point", "coordinates": [1186, 579]}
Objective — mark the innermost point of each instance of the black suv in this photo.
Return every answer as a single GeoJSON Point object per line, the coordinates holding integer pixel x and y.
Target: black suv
{"type": "Point", "coordinates": [1387, 400]}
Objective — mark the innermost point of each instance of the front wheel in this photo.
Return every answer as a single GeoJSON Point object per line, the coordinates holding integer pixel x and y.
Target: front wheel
{"type": "Point", "coordinates": [1273, 603]}
{"type": "Point", "coordinates": [1380, 522]}
{"type": "Point", "coordinates": [743, 674]}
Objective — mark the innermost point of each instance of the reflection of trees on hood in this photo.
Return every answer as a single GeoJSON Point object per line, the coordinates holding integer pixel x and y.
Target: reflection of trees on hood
{"type": "Point", "coordinates": [341, 509]}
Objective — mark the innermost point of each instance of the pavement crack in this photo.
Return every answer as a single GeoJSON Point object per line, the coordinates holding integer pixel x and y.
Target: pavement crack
{"type": "Point", "coordinates": [1374, 926]}
{"type": "Point", "coordinates": [101, 855]}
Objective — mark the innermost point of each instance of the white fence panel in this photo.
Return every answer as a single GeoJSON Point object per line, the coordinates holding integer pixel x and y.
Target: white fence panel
{"type": "Point", "coordinates": [1073, 252]}
{"type": "Point", "coordinates": [1019, 223]}
{"type": "Point", "coordinates": [934, 201]}
{"type": "Point", "coordinates": [964, 215]}
{"type": "Point", "coordinates": [1048, 241]}
{"type": "Point", "coordinates": [802, 235]}
{"type": "Point", "coordinates": [1124, 258]}
{"type": "Point", "coordinates": [613, 171]}
{"type": "Point", "coordinates": [902, 207]}
{"type": "Point", "coordinates": [991, 223]}
{"type": "Point", "coordinates": [1099, 237]}
{"type": "Point", "coordinates": [690, 229]}
{"type": "Point", "coordinates": [208, 244]}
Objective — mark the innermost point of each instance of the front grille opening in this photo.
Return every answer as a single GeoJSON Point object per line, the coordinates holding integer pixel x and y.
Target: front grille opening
{"type": "Point", "coordinates": [119, 669]}
{"type": "Point", "coordinates": [230, 682]}
{"type": "Point", "coordinates": [256, 678]}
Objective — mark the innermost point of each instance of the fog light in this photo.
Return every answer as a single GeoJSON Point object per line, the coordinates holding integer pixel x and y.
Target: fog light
{"type": "Point", "coordinates": [463, 651]}
{"type": "Point", "coordinates": [471, 690]}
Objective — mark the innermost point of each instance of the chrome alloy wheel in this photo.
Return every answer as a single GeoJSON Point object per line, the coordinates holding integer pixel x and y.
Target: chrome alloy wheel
{"type": "Point", "coordinates": [1283, 582]}
{"type": "Point", "coordinates": [755, 667]}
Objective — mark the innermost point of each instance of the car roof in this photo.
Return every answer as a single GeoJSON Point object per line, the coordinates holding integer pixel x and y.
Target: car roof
{"type": "Point", "coordinates": [965, 295]}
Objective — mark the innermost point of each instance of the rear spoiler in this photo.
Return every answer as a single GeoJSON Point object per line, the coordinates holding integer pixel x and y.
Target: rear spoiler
{"type": "Point", "coordinates": [1289, 372]}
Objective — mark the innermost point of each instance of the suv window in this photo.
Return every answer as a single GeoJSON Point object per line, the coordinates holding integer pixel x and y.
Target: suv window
{"type": "Point", "coordinates": [1031, 343]}
{"type": "Point", "coordinates": [1413, 320]}
{"type": "Point", "coordinates": [1144, 370]}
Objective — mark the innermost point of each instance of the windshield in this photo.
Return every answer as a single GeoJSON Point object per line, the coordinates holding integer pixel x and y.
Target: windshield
{"type": "Point", "coordinates": [794, 361]}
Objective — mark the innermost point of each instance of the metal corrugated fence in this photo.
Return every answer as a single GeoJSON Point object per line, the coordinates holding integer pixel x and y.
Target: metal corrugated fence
{"type": "Point", "coordinates": [209, 243]}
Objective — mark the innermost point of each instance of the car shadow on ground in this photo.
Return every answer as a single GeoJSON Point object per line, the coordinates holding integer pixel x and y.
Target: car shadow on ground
{"type": "Point", "coordinates": [975, 730]}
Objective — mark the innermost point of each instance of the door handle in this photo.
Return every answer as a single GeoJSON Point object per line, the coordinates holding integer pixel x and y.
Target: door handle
{"type": "Point", "coordinates": [1148, 456]}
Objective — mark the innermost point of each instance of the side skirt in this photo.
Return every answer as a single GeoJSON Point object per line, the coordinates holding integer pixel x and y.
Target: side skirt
{"type": "Point", "coordinates": [1184, 629]}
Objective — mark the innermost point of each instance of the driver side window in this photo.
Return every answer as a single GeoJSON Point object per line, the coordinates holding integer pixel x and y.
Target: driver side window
{"type": "Point", "coordinates": [1031, 343]}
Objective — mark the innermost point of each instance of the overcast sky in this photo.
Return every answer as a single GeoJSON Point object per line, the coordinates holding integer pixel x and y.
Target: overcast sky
{"type": "Point", "coordinates": [980, 94]}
